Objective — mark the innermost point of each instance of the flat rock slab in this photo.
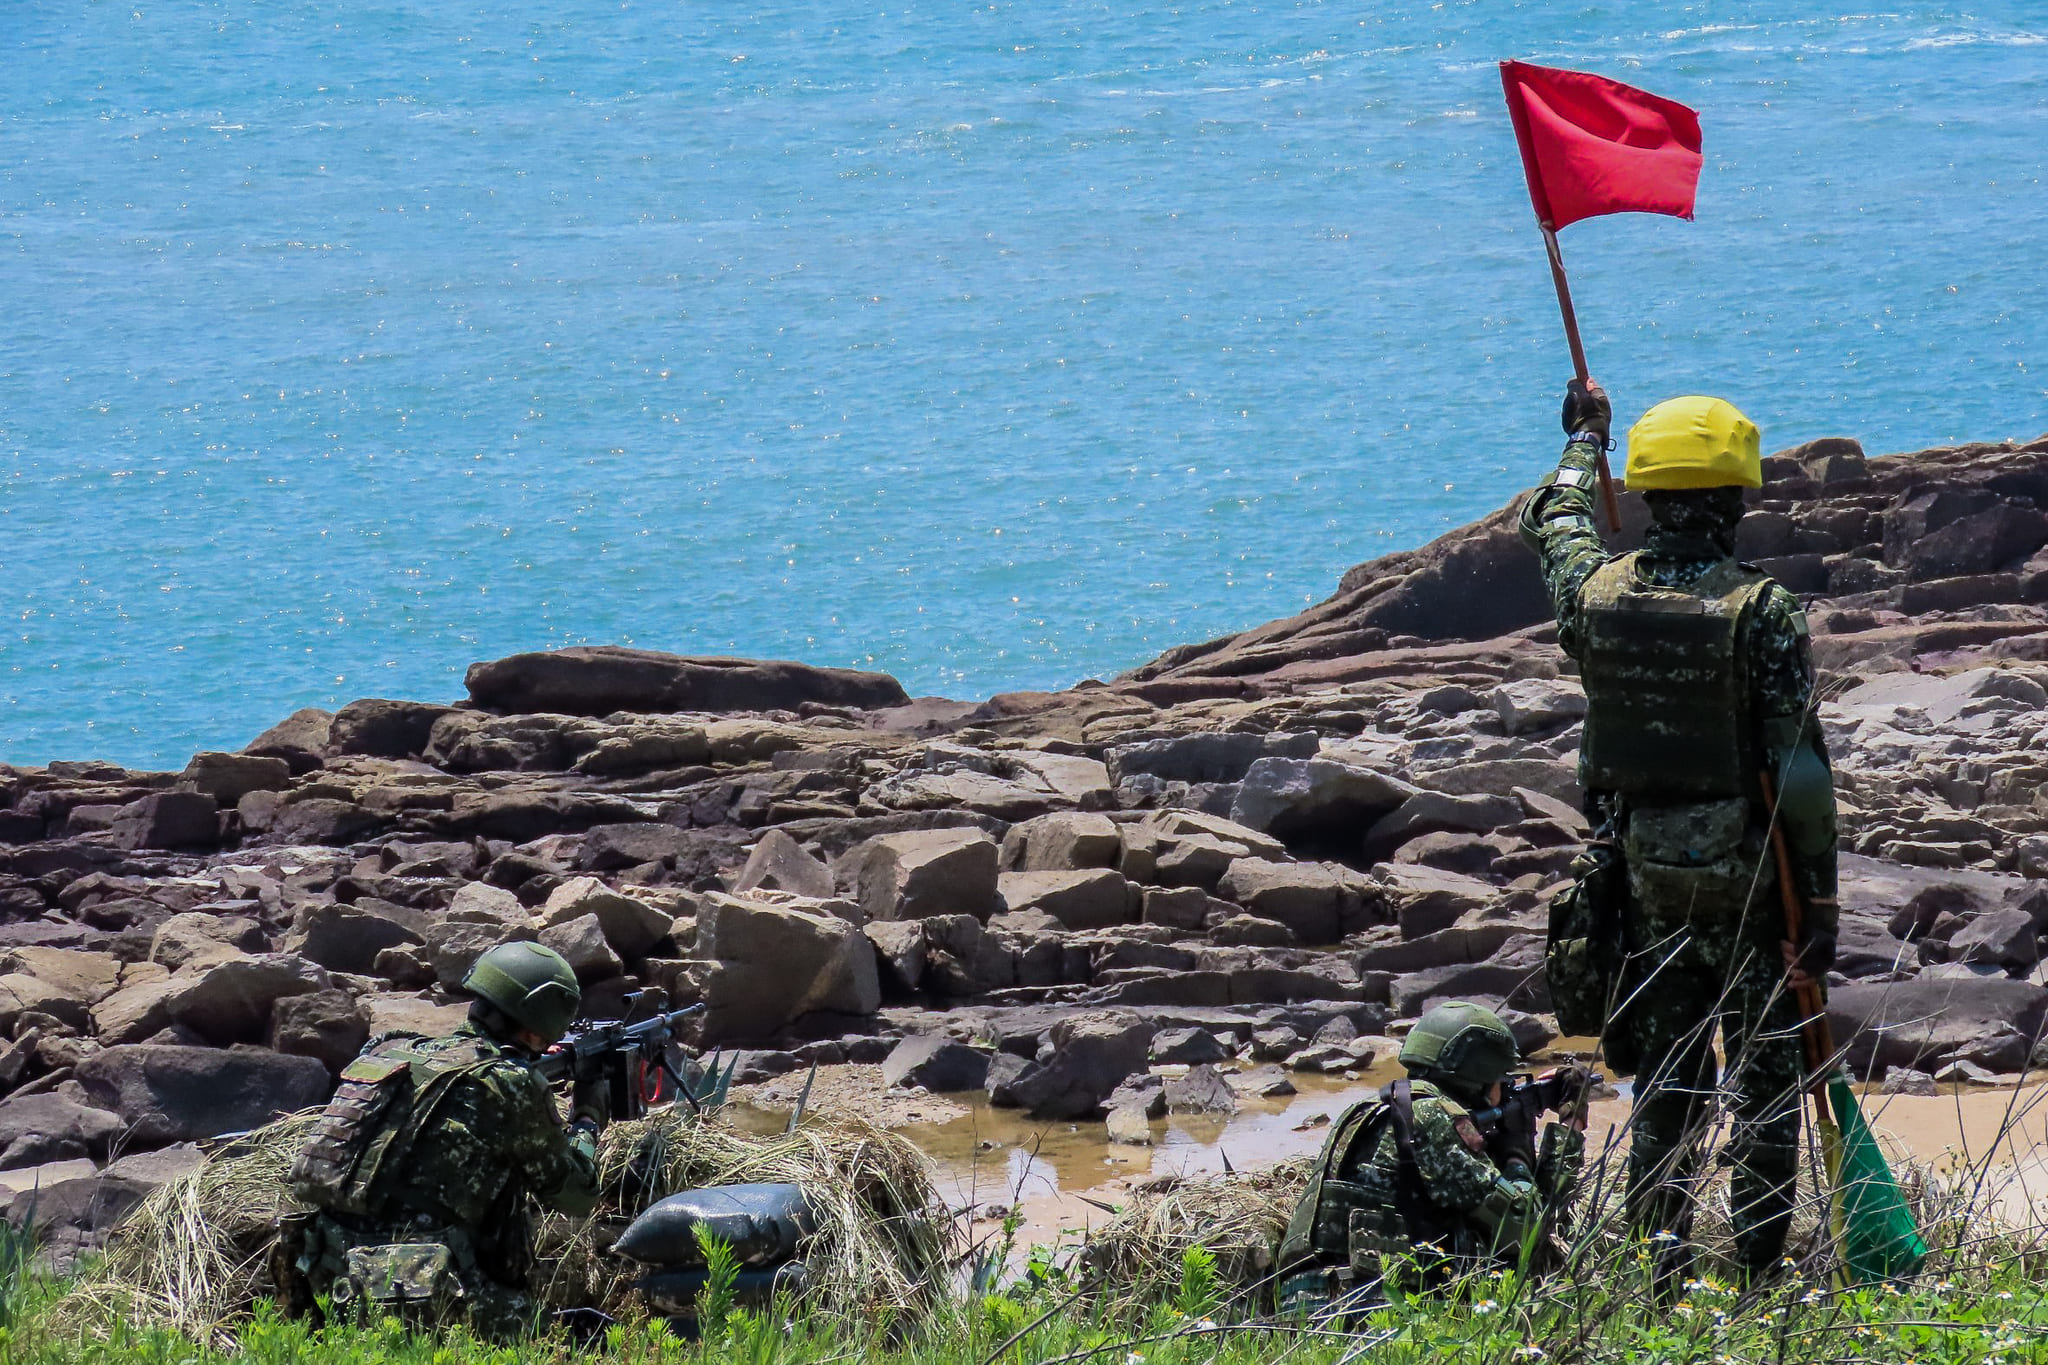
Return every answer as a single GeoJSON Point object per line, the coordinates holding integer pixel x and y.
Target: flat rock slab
{"type": "Point", "coordinates": [596, 680]}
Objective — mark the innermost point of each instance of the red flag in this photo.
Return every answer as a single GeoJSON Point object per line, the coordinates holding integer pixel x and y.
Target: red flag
{"type": "Point", "coordinates": [1592, 146]}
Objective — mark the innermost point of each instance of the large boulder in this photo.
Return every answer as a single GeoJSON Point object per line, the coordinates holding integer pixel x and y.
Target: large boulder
{"type": "Point", "coordinates": [1218, 757]}
{"type": "Point", "coordinates": [1315, 803]}
{"type": "Point", "coordinates": [1924, 1022]}
{"type": "Point", "coordinates": [632, 927]}
{"type": "Point", "coordinates": [1091, 899]}
{"type": "Point", "coordinates": [921, 873]}
{"type": "Point", "coordinates": [939, 1064]}
{"type": "Point", "coordinates": [1319, 902]}
{"type": "Point", "coordinates": [176, 1094]}
{"type": "Point", "coordinates": [1064, 841]}
{"type": "Point", "coordinates": [347, 938]}
{"type": "Point", "coordinates": [172, 819]}
{"type": "Point", "coordinates": [581, 943]}
{"type": "Point", "coordinates": [768, 965]}
{"type": "Point", "coordinates": [1086, 1058]}
{"type": "Point", "coordinates": [780, 863]}
{"type": "Point", "coordinates": [300, 739]}
{"type": "Point", "coordinates": [379, 727]}
{"type": "Point", "coordinates": [596, 680]}
{"type": "Point", "coordinates": [227, 778]}
{"type": "Point", "coordinates": [230, 1002]}
{"type": "Point", "coordinates": [35, 1129]}
{"type": "Point", "coordinates": [328, 1026]}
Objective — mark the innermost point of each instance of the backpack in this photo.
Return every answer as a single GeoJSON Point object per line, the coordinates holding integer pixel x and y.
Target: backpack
{"type": "Point", "coordinates": [387, 1096]}
{"type": "Point", "coordinates": [1339, 1221]}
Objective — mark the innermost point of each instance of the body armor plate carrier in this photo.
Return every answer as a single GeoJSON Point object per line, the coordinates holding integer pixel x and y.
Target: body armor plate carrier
{"type": "Point", "coordinates": [1667, 692]}
{"type": "Point", "coordinates": [351, 1163]}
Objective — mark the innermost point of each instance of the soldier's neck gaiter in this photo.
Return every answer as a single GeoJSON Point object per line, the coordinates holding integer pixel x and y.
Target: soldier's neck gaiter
{"type": "Point", "coordinates": [1692, 523]}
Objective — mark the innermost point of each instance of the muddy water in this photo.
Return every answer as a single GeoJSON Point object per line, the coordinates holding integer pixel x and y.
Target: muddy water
{"type": "Point", "coordinates": [1056, 1175]}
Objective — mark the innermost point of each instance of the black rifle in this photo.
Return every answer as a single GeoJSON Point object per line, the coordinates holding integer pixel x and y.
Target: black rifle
{"type": "Point", "coordinates": [630, 1060]}
{"type": "Point", "coordinates": [1511, 1124]}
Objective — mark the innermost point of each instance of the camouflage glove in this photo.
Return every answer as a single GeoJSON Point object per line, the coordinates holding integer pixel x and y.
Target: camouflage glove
{"type": "Point", "coordinates": [1586, 409]}
{"type": "Point", "coordinates": [1817, 955]}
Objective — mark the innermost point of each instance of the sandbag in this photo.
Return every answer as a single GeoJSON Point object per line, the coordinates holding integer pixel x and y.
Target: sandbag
{"type": "Point", "coordinates": [761, 1223]}
{"type": "Point", "coordinates": [675, 1293]}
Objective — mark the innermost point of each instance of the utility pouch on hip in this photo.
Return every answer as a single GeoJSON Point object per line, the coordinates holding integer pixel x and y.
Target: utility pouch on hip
{"type": "Point", "coordinates": [414, 1282]}
{"type": "Point", "coordinates": [1583, 953]}
{"type": "Point", "coordinates": [1697, 862]}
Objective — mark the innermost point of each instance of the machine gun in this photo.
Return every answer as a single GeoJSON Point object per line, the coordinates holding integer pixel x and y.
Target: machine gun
{"type": "Point", "coordinates": [631, 1061]}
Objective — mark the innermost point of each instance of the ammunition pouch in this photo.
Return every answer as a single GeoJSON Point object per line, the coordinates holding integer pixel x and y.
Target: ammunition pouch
{"type": "Point", "coordinates": [1583, 952]}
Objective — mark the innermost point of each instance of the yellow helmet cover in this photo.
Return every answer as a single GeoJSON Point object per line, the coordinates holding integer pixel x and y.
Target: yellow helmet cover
{"type": "Point", "coordinates": [1694, 442]}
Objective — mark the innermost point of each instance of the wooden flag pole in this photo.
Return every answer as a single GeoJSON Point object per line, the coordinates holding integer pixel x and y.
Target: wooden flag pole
{"type": "Point", "coordinates": [1571, 335]}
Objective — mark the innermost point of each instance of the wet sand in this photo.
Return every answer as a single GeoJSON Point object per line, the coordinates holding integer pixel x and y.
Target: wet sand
{"type": "Point", "coordinates": [995, 1160]}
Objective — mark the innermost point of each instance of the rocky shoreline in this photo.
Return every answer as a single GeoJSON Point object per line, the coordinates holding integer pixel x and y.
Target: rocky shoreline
{"type": "Point", "coordinates": [1267, 851]}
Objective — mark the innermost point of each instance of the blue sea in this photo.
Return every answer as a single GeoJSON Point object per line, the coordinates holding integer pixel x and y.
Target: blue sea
{"type": "Point", "coordinates": [993, 345]}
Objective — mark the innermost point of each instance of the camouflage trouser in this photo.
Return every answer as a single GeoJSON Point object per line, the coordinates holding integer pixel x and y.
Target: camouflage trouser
{"type": "Point", "coordinates": [1689, 982]}
{"type": "Point", "coordinates": [423, 1278]}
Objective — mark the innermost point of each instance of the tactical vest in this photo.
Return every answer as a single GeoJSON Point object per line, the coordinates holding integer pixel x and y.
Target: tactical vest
{"type": "Point", "coordinates": [1667, 686]}
{"type": "Point", "coordinates": [387, 1097]}
{"type": "Point", "coordinates": [1341, 1220]}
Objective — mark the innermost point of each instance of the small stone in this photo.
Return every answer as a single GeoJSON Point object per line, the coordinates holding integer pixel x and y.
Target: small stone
{"type": "Point", "coordinates": [1129, 1126]}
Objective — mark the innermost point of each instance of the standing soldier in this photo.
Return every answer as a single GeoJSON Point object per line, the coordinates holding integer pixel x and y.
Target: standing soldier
{"type": "Point", "coordinates": [1440, 1171]}
{"type": "Point", "coordinates": [1698, 702]}
{"type": "Point", "coordinates": [420, 1169]}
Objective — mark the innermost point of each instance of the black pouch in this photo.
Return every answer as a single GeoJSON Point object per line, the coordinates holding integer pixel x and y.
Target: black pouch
{"type": "Point", "coordinates": [1583, 953]}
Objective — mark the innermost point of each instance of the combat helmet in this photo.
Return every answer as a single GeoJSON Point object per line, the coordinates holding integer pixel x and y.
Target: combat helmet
{"type": "Point", "coordinates": [1694, 442]}
{"type": "Point", "coordinates": [532, 986]}
{"type": "Point", "coordinates": [1460, 1045]}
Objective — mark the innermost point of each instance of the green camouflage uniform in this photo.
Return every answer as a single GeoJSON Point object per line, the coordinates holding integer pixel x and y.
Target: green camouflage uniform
{"type": "Point", "coordinates": [1477, 1208]}
{"type": "Point", "coordinates": [1714, 962]}
{"type": "Point", "coordinates": [451, 1237]}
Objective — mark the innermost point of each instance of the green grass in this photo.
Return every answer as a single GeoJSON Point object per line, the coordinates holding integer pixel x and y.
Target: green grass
{"type": "Point", "coordinates": [1985, 1307]}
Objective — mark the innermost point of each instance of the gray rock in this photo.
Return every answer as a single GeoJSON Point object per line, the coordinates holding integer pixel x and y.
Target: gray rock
{"type": "Point", "coordinates": [1537, 704]}
{"type": "Point", "coordinates": [630, 926]}
{"type": "Point", "coordinates": [770, 965]}
{"type": "Point", "coordinates": [920, 873]}
{"type": "Point", "coordinates": [1089, 1057]}
{"type": "Point", "coordinates": [937, 1063]}
{"type": "Point", "coordinates": [197, 936]}
{"type": "Point", "coordinates": [1315, 802]}
{"type": "Point", "coordinates": [596, 680]}
{"type": "Point", "coordinates": [1201, 1091]}
{"type": "Point", "coordinates": [328, 1026]}
{"type": "Point", "coordinates": [1904, 1080]}
{"type": "Point", "coordinates": [1425, 900]}
{"type": "Point", "coordinates": [1176, 907]}
{"type": "Point", "coordinates": [581, 942]}
{"type": "Point", "coordinates": [1262, 1083]}
{"type": "Point", "coordinates": [1918, 1022]}
{"type": "Point", "coordinates": [227, 778]}
{"type": "Point", "coordinates": [1224, 757]}
{"type": "Point", "coordinates": [179, 1094]}
{"type": "Point", "coordinates": [780, 863]}
{"type": "Point", "coordinates": [1064, 841]}
{"type": "Point", "coordinates": [2001, 938]}
{"type": "Point", "coordinates": [1319, 902]}
{"type": "Point", "coordinates": [452, 948]}
{"type": "Point", "coordinates": [1193, 1046]}
{"type": "Point", "coordinates": [172, 819]}
{"type": "Point", "coordinates": [37, 1129]}
{"type": "Point", "coordinates": [1128, 1125]}
{"type": "Point", "coordinates": [379, 727]}
{"type": "Point", "coordinates": [346, 938]}
{"type": "Point", "coordinates": [900, 948]}
{"type": "Point", "coordinates": [1090, 899]}
{"type": "Point", "coordinates": [1251, 931]}
{"type": "Point", "coordinates": [1196, 860]}
{"type": "Point", "coordinates": [1275, 1044]}
{"type": "Point", "coordinates": [230, 1002]}
{"type": "Point", "coordinates": [300, 739]}
{"type": "Point", "coordinates": [1429, 812]}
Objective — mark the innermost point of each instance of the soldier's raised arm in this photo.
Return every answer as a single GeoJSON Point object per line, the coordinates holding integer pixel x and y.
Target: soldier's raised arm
{"type": "Point", "coordinates": [1557, 519]}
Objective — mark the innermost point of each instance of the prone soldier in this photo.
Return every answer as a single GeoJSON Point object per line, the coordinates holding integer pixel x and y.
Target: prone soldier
{"type": "Point", "coordinates": [420, 1169]}
{"type": "Point", "coordinates": [1440, 1172]}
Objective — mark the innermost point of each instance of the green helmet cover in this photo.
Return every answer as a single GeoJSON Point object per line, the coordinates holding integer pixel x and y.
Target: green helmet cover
{"type": "Point", "coordinates": [532, 986]}
{"type": "Point", "coordinates": [1467, 1045]}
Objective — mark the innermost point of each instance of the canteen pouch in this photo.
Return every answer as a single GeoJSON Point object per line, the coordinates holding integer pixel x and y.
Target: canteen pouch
{"type": "Point", "coordinates": [1583, 951]}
